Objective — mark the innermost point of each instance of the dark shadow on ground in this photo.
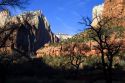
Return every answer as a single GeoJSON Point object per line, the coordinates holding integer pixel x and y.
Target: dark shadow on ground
{"type": "Point", "coordinates": [36, 71]}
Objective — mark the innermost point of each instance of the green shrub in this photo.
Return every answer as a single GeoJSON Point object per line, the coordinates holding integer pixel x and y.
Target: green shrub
{"type": "Point", "coordinates": [56, 61]}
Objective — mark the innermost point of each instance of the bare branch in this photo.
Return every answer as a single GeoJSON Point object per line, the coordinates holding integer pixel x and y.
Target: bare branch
{"type": "Point", "coordinates": [13, 3]}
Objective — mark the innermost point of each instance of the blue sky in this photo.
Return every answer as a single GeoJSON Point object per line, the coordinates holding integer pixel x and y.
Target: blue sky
{"type": "Point", "coordinates": [64, 15]}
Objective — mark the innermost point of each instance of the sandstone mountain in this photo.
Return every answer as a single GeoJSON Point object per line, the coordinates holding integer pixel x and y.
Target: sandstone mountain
{"type": "Point", "coordinates": [31, 31]}
{"type": "Point", "coordinates": [110, 9]}
{"type": "Point", "coordinates": [114, 8]}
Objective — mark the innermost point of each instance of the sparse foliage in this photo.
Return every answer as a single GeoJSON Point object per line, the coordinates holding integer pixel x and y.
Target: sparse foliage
{"type": "Point", "coordinates": [13, 3]}
{"type": "Point", "coordinates": [107, 35]}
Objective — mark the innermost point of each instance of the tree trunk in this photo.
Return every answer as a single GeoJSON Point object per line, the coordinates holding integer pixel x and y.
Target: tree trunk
{"type": "Point", "coordinates": [77, 71]}
{"type": "Point", "coordinates": [109, 71]}
{"type": "Point", "coordinates": [2, 73]}
{"type": "Point", "coordinates": [109, 78]}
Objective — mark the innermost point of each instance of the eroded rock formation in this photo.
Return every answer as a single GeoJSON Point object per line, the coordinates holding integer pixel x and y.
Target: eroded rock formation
{"type": "Point", "coordinates": [31, 30]}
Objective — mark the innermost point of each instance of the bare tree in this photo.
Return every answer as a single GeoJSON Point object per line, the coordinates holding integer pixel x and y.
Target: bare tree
{"type": "Point", "coordinates": [13, 3]}
{"type": "Point", "coordinates": [108, 38]}
{"type": "Point", "coordinates": [76, 56]}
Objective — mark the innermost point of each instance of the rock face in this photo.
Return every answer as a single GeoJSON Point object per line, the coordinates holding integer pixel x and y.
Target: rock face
{"type": "Point", "coordinates": [4, 15]}
{"type": "Point", "coordinates": [31, 32]}
{"type": "Point", "coordinates": [97, 13]}
{"type": "Point", "coordinates": [110, 8]}
{"type": "Point", "coordinates": [114, 8]}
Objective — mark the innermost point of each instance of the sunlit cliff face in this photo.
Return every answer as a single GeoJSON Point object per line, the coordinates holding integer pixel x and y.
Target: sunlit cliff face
{"type": "Point", "coordinates": [4, 15]}
{"type": "Point", "coordinates": [97, 14]}
{"type": "Point", "coordinates": [110, 9]}
{"type": "Point", "coordinates": [114, 8]}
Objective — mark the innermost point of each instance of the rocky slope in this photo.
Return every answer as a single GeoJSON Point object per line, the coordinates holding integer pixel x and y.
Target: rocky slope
{"type": "Point", "coordinates": [67, 49]}
{"type": "Point", "coordinates": [78, 44]}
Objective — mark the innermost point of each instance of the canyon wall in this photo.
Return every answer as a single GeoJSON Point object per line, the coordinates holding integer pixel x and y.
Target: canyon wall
{"type": "Point", "coordinates": [114, 8]}
{"type": "Point", "coordinates": [31, 30]}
